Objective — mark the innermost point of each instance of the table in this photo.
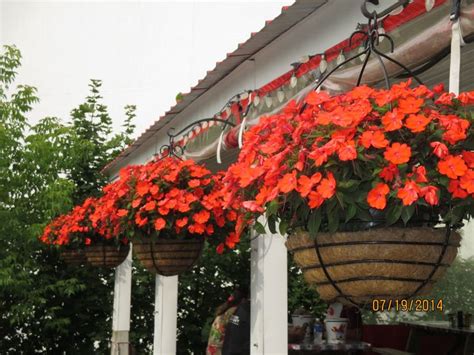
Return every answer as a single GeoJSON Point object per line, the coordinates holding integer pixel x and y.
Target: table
{"type": "Point", "coordinates": [465, 336]}
{"type": "Point", "coordinates": [349, 346]}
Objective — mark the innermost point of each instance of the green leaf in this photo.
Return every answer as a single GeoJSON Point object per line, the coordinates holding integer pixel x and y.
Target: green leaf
{"type": "Point", "coordinates": [333, 221]}
{"type": "Point", "coordinates": [272, 224]}
{"type": "Point", "coordinates": [407, 213]}
{"type": "Point", "coordinates": [350, 212]}
{"type": "Point", "coordinates": [314, 223]}
{"type": "Point", "coordinates": [272, 207]}
{"type": "Point", "coordinates": [283, 227]}
{"type": "Point", "coordinates": [393, 214]}
{"type": "Point", "coordinates": [259, 228]}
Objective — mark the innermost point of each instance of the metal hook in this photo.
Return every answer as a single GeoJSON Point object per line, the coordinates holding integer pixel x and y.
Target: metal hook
{"type": "Point", "coordinates": [385, 12]}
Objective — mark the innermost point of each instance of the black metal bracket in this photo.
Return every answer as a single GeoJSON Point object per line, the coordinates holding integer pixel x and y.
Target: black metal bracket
{"type": "Point", "coordinates": [370, 15]}
{"type": "Point", "coordinates": [175, 150]}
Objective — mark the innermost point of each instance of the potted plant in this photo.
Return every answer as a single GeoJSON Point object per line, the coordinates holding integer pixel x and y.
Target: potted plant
{"type": "Point", "coordinates": [359, 181]}
{"type": "Point", "coordinates": [57, 233]}
{"type": "Point", "coordinates": [168, 208]}
{"type": "Point", "coordinates": [81, 242]}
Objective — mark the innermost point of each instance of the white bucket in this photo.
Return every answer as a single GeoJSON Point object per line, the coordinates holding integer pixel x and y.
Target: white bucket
{"type": "Point", "coordinates": [336, 330]}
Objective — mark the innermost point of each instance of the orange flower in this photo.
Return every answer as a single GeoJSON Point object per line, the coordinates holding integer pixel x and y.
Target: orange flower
{"type": "Point", "coordinates": [468, 158]}
{"type": "Point", "coordinates": [410, 105]}
{"type": "Point", "coordinates": [154, 190]}
{"type": "Point", "coordinates": [373, 138]}
{"type": "Point", "coordinates": [315, 199]}
{"type": "Point", "coordinates": [392, 120]}
{"type": "Point", "coordinates": [231, 240]}
{"type": "Point", "coordinates": [182, 222]}
{"type": "Point", "coordinates": [420, 172]}
{"type": "Point", "coordinates": [417, 123]}
{"type": "Point", "coordinates": [430, 194]}
{"type": "Point", "coordinates": [327, 187]}
{"type": "Point", "coordinates": [377, 197]}
{"type": "Point", "coordinates": [197, 228]}
{"type": "Point", "coordinates": [160, 223]}
{"type": "Point", "coordinates": [409, 193]}
{"type": "Point", "coordinates": [252, 206]}
{"type": "Point", "coordinates": [202, 216]}
{"type": "Point", "coordinates": [122, 213]}
{"type": "Point", "coordinates": [220, 248]}
{"type": "Point", "coordinates": [150, 206]}
{"type": "Point", "coordinates": [456, 190]}
{"type": "Point", "coordinates": [347, 151]}
{"type": "Point", "coordinates": [452, 166]}
{"type": "Point", "coordinates": [439, 149]}
{"type": "Point", "coordinates": [136, 203]}
{"type": "Point", "coordinates": [194, 183]}
{"type": "Point", "coordinates": [142, 188]}
{"type": "Point", "coordinates": [467, 181]}
{"type": "Point", "coordinates": [316, 98]}
{"type": "Point", "coordinates": [288, 182]}
{"type": "Point", "coordinates": [388, 173]}
{"type": "Point", "coordinates": [306, 184]}
{"type": "Point", "coordinates": [398, 153]}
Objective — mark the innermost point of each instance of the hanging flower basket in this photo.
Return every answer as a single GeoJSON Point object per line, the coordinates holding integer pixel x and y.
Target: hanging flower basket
{"type": "Point", "coordinates": [369, 156]}
{"type": "Point", "coordinates": [168, 257]}
{"type": "Point", "coordinates": [103, 255]}
{"type": "Point", "coordinates": [167, 208]}
{"type": "Point", "coordinates": [74, 256]}
{"type": "Point", "coordinates": [380, 263]}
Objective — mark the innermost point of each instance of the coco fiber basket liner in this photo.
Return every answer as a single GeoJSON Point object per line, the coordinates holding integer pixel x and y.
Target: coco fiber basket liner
{"type": "Point", "coordinates": [168, 257]}
{"type": "Point", "coordinates": [378, 263]}
{"type": "Point", "coordinates": [74, 257]}
{"type": "Point", "coordinates": [106, 255]}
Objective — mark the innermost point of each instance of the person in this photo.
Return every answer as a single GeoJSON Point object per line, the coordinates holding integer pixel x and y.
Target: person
{"type": "Point", "coordinates": [223, 314]}
{"type": "Point", "coordinates": [237, 333]}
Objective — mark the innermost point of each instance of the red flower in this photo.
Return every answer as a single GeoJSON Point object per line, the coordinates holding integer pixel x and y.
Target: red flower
{"type": "Point", "coordinates": [452, 166]}
{"type": "Point", "coordinates": [409, 193]}
{"type": "Point", "coordinates": [410, 105]}
{"type": "Point", "coordinates": [252, 206]}
{"type": "Point", "coordinates": [377, 197]}
{"type": "Point", "coordinates": [456, 190]}
{"type": "Point", "coordinates": [467, 181]}
{"type": "Point", "coordinates": [373, 138]}
{"type": "Point", "coordinates": [288, 182]}
{"type": "Point", "coordinates": [347, 151]}
{"type": "Point", "coordinates": [388, 173]}
{"type": "Point", "coordinates": [468, 158]}
{"type": "Point", "coordinates": [439, 149]}
{"type": "Point", "coordinates": [182, 222]}
{"type": "Point", "coordinates": [160, 223]}
{"type": "Point", "coordinates": [315, 199]}
{"type": "Point", "coordinates": [327, 187]}
{"type": "Point", "coordinates": [417, 123]}
{"type": "Point", "coordinates": [430, 194]}
{"type": "Point", "coordinates": [392, 120]}
{"type": "Point", "coordinates": [398, 153]}
{"type": "Point", "coordinates": [122, 213]}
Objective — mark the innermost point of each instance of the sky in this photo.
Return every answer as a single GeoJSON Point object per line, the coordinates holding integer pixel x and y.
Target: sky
{"type": "Point", "coordinates": [146, 52]}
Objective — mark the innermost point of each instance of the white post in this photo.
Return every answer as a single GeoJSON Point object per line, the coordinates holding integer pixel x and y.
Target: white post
{"type": "Point", "coordinates": [121, 310]}
{"type": "Point", "coordinates": [166, 313]}
{"type": "Point", "coordinates": [269, 295]}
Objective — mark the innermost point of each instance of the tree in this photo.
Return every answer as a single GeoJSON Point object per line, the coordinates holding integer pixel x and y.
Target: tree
{"type": "Point", "coordinates": [45, 305]}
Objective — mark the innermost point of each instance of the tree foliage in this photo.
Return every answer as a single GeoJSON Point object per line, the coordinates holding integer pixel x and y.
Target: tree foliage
{"type": "Point", "coordinates": [45, 305]}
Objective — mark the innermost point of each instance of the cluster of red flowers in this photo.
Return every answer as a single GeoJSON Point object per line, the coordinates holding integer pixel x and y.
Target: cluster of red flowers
{"type": "Point", "coordinates": [169, 198]}
{"type": "Point", "coordinates": [73, 228]}
{"type": "Point", "coordinates": [401, 151]}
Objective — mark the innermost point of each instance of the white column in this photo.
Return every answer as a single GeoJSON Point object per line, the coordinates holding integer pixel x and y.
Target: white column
{"type": "Point", "coordinates": [121, 310]}
{"type": "Point", "coordinates": [269, 295]}
{"type": "Point", "coordinates": [166, 313]}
